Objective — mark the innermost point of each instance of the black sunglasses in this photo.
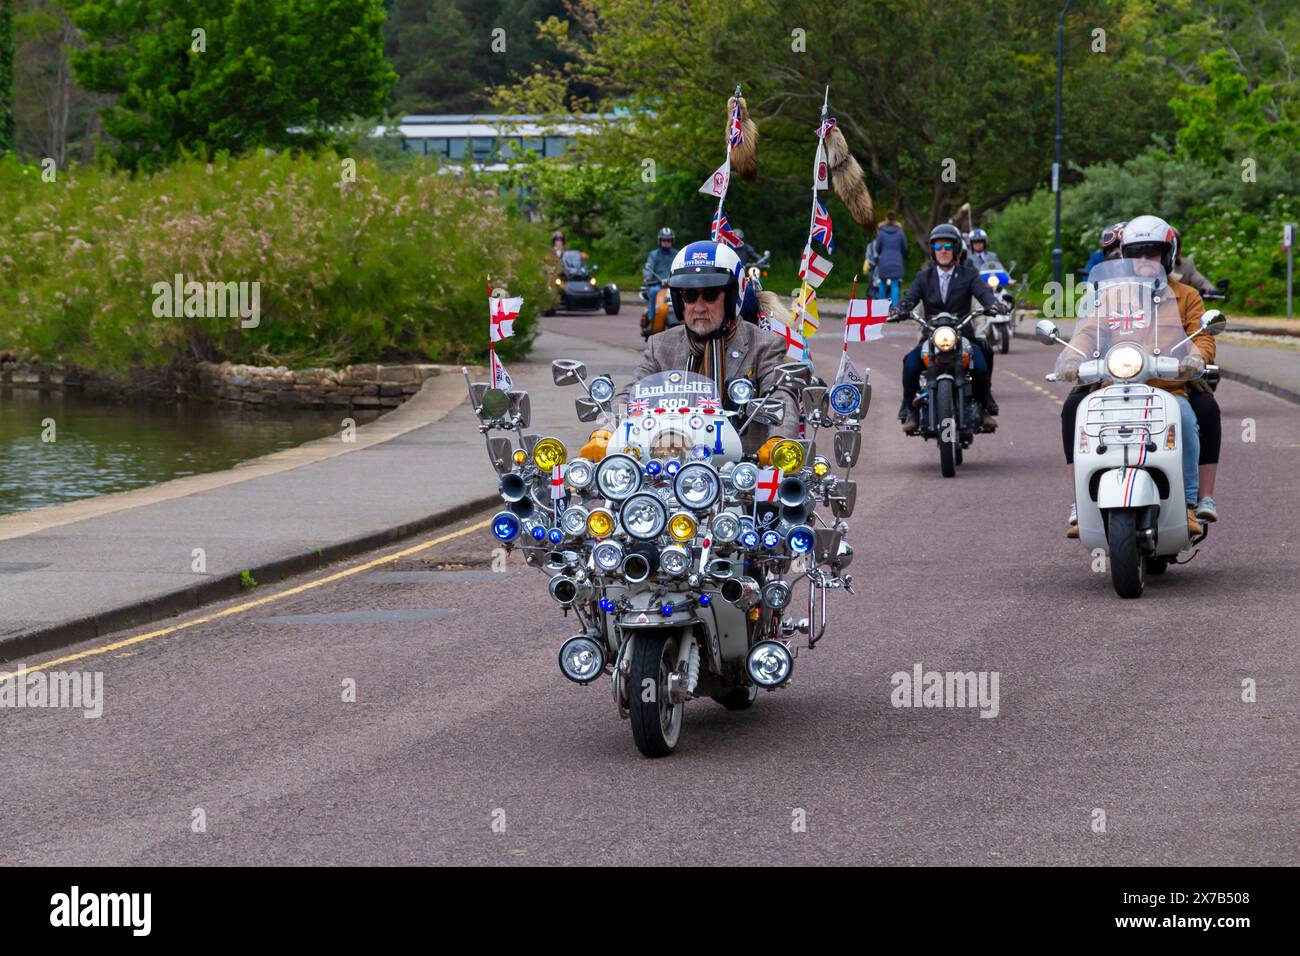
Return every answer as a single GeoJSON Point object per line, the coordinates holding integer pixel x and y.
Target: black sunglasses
{"type": "Point", "coordinates": [710, 295]}
{"type": "Point", "coordinates": [943, 245]}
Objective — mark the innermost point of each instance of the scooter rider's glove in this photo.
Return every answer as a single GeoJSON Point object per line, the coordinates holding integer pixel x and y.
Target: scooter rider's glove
{"type": "Point", "coordinates": [1068, 372]}
{"type": "Point", "coordinates": [1189, 366]}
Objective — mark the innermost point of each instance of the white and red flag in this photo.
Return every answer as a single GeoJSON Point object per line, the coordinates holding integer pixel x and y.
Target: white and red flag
{"type": "Point", "coordinates": [557, 482]}
{"type": "Point", "coordinates": [498, 377]}
{"type": "Point", "coordinates": [821, 171]}
{"type": "Point", "coordinates": [865, 320]}
{"type": "Point", "coordinates": [716, 185]}
{"type": "Point", "coordinates": [769, 480]}
{"type": "Point", "coordinates": [812, 267]}
{"type": "Point", "coordinates": [795, 346]}
{"type": "Point", "coordinates": [502, 313]}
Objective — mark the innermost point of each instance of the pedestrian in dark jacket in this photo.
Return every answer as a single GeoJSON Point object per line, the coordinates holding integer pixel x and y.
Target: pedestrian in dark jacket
{"type": "Point", "coordinates": [891, 250]}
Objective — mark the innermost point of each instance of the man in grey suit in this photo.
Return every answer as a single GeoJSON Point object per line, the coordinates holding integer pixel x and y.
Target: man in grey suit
{"type": "Point", "coordinates": [710, 339]}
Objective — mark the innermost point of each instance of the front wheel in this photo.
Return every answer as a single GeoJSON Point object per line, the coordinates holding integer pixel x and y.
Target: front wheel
{"type": "Point", "coordinates": [1004, 338]}
{"type": "Point", "coordinates": [1127, 564]}
{"type": "Point", "coordinates": [946, 418]}
{"type": "Point", "coordinates": [613, 302]}
{"type": "Point", "coordinates": [656, 721]}
{"type": "Point", "coordinates": [739, 698]}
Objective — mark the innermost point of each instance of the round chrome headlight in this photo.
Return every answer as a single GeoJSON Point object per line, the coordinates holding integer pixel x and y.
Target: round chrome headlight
{"type": "Point", "coordinates": [769, 663]}
{"type": "Point", "coordinates": [725, 528]}
{"type": "Point", "coordinates": [607, 556]}
{"type": "Point", "coordinates": [945, 338]}
{"type": "Point", "coordinates": [740, 391]}
{"type": "Point", "coordinates": [697, 486]}
{"type": "Point", "coordinates": [579, 474]}
{"type": "Point", "coordinates": [1124, 361]}
{"type": "Point", "coordinates": [573, 521]}
{"type": "Point", "coordinates": [602, 389]}
{"type": "Point", "coordinates": [643, 516]}
{"type": "Point", "coordinates": [618, 477]}
{"type": "Point", "coordinates": [674, 560]}
{"type": "Point", "coordinates": [582, 659]}
{"type": "Point", "coordinates": [744, 477]}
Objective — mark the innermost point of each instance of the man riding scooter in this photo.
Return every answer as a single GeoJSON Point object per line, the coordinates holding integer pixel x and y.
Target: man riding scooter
{"type": "Point", "coordinates": [947, 284]}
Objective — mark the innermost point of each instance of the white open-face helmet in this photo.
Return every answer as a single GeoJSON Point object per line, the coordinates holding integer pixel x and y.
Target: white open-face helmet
{"type": "Point", "coordinates": [1144, 234]}
{"type": "Point", "coordinates": [707, 265]}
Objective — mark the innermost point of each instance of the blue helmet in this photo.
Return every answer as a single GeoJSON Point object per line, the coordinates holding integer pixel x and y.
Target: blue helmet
{"type": "Point", "coordinates": [979, 235]}
{"type": "Point", "coordinates": [706, 265]}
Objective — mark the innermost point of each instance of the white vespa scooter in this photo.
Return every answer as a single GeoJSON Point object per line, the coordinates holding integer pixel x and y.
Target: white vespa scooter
{"type": "Point", "coordinates": [1128, 472]}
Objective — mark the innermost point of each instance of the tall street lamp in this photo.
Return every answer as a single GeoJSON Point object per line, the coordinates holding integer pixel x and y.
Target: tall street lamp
{"type": "Point", "coordinates": [1056, 167]}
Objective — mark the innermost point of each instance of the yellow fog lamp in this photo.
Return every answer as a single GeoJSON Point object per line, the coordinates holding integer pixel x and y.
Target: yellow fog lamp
{"type": "Point", "coordinates": [520, 456]}
{"type": "Point", "coordinates": [821, 467]}
{"type": "Point", "coordinates": [600, 523]}
{"type": "Point", "coordinates": [787, 455]}
{"type": "Point", "coordinates": [549, 453]}
{"type": "Point", "coordinates": [681, 527]}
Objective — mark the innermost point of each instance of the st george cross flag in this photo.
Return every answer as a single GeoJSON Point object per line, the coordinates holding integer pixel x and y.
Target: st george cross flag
{"type": "Point", "coordinates": [813, 268]}
{"type": "Point", "coordinates": [848, 372]}
{"type": "Point", "coordinates": [769, 480]}
{"type": "Point", "coordinates": [502, 314]}
{"type": "Point", "coordinates": [557, 482]}
{"type": "Point", "coordinates": [716, 185]}
{"type": "Point", "coordinates": [722, 230]}
{"type": "Point", "coordinates": [805, 307]}
{"type": "Point", "coordinates": [499, 377]}
{"type": "Point", "coordinates": [821, 172]}
{"type": "Point", "coordinates": [865, 319]}
{"type": "Point", "coordinates": [795, 347]}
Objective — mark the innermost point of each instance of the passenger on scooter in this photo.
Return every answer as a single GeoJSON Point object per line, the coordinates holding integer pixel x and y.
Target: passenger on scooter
{"type": "Point", "coordinates": [1202, 398]}
{"type": "Point", "coordinates": [1149, 241]}
{"type": "Point", "coordinates": [947, 284]}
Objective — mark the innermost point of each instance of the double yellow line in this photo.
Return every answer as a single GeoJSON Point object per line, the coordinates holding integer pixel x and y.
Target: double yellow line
{"type": "Point", "coordinates": [249, 605]}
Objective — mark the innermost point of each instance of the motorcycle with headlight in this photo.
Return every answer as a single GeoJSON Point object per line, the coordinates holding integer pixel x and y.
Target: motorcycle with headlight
{"type": "Point", "coordinates": [678, 554]}
{"type": "Point", "coordinates": [1128, 472]}
{"type": "Point", "coordinates": [946, 404]}
{"type": "Point", "coordinates": [998, 328]}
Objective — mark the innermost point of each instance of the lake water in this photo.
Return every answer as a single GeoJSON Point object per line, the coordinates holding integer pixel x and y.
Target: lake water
{"type": "Point", "coordinates": [100, 448]}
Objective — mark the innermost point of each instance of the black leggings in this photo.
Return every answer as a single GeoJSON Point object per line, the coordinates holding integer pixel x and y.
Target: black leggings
{"type": "Point", "coordinates": [1203, 404]}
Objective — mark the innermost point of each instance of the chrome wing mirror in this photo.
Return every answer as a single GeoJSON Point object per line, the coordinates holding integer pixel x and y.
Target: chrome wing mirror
{"type": "Point", "coordinates": [848, 442]}
{"type": "Point", "coordinates": [567, 371]}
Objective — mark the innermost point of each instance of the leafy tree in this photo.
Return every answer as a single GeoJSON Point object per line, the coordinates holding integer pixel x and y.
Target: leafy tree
{"type": "Point", "coordinates": [261, 72]}
{"type": "Point", "coordinates": [6, 76]}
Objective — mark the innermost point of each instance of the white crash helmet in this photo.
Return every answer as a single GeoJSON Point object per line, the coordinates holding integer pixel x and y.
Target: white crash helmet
{"type": "Point", "coordinates": [1144, 233]}
{"type": "Point", "coordinates": [706, 265]}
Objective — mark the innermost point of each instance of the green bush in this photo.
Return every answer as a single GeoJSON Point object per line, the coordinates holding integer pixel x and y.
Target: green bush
{"type": "Point", "coordinates": [387, 267]}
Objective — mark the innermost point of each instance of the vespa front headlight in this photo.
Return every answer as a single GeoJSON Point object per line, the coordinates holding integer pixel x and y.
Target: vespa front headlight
{"type": "Point", "coordinates": [549, 453]}
{"type": "Point", "coordinates": [607, 556]}
{"type": "Point", "coordinates": [618, 477]}
{"type": "Point", "coordinates": [682, 527]}
{"type": "Point", "coordinates": [643, 516]}
{"type": "Point", "coordinates": [945, 338]}
{"type": "Point", "coordinates": [788, 456]}
{"type": "Point", "coordinates": [697, 486]}
{"type": "Point", "coordinates": [1124, 361]}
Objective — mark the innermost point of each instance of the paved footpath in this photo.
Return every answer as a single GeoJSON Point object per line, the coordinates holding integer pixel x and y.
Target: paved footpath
{"type": "Point", "coordinates": [76, 571]}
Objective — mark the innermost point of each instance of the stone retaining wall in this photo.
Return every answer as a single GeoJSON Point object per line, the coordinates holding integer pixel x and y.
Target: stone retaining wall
{"type": "Point", "coordinates": [356, 386]}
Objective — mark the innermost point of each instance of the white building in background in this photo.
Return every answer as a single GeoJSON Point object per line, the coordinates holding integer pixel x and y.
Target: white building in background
{"type": "Point", "coordinates": [489, 142]}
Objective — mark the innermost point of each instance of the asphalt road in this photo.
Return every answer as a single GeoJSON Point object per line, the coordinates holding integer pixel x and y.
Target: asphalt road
{"type": "Point", "coordinates": [462, 720]}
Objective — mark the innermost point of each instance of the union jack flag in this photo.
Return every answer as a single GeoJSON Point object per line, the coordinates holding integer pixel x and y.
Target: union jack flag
{"type": "Point", "coordinates": [826, 126]}
{"type": "Point", "coordinates": [735, 135]}
{"type": "Point", "coordinates": [708, 406]}
{"type": "Point", "coordinates": [638, 407]}
{"type": "Point", "coordinates": [722, 230]}
{"type": "Point", "coordinates": [821, 229]}
{"type": "Point", "coordinates": [1126, 321]}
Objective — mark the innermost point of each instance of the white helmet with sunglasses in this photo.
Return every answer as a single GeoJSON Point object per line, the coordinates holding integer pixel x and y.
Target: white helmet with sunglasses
{"type": "Point", "coordinates": [1146, 236]}
{"type": "Point", "coordinates": [708, 269]}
